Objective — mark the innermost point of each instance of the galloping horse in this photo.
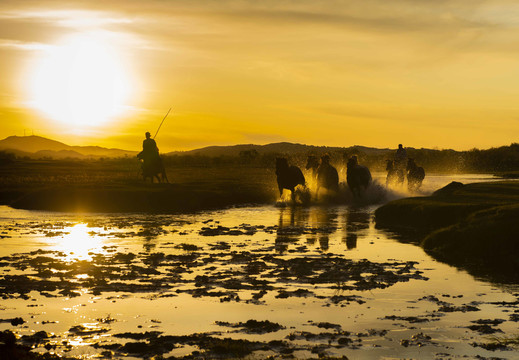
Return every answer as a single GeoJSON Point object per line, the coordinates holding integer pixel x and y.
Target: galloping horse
{"type": "Point", "coordinates": [358, 177]}
{"type": "Point", "coordinates": [415, 175]}
{"type": "Point", "coordinates": [327, 176]}
{"type": "Point", "coordinates": [288, 177]}
{"type": "Point", "coordinates": [312, 163]}
{"type": "Point", "coordinates": [394, 175]}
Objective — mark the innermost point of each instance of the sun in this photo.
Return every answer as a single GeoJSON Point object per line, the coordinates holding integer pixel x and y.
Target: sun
{"type": "Point", "coordinates": [80, 82]}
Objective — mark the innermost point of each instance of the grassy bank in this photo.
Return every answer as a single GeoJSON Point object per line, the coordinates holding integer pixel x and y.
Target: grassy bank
{"type": "Point", "coordinates": [474, 225]}
{"type": "Point", "coordinates": [104, 186]}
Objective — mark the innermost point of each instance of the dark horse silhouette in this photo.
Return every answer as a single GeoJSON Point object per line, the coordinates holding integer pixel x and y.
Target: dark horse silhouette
{"type": "Point", "coordinates": [327, 176]}
{"type": "Point", "coordinates": [153, 167]}
{"type": "Point", "coordinates": [415, 175]}
{"type": "Point", "coordinates": [358, 177]}
{"type": "Point", "coordinates": [288, 177]}
{"type": "Point", "coordinates": [394, 175]}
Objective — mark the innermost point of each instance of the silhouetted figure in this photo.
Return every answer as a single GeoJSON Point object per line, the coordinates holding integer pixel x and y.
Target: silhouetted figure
{"type": "Point", "coordinates": [288, 177]}
{"type": "Point", "coordinates": [327, 176]}
{"type": "Point", "coordinates": [394, 175]}
{"type": "Point", "coordinates": [400, 158]}
{"type": "Point", "coordinates": [415, 175]}
{"type": "Point", "coordinates": [149, 147]}
{"type": "Point", "coordinates": [358, 177]}
{"type": "Point", "coordinates": [152, 165]}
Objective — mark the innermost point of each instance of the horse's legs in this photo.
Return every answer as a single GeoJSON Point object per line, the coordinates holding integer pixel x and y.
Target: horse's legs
{"type": "Point", "coordinates": [317, 192]}
{"type": "Point", "coordinates": [293, 194]}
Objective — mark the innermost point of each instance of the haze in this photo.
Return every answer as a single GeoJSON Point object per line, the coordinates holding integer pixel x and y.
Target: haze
{"type": "Point", "coordinates": [338, 73]}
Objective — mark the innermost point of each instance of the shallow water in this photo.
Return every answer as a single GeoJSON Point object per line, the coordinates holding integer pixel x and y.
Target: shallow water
{"type": "Point", "coordinates": [95, 276]}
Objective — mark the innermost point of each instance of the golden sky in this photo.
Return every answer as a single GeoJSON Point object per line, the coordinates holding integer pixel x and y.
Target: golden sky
{"type": "Point", "coordinates": [376, 73]}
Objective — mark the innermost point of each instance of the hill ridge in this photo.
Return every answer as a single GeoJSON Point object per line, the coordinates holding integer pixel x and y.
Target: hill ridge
{"type": "Point", "coordinates": [39, 146]}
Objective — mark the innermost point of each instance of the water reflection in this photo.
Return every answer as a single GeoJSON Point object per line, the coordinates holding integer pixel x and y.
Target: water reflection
{"type": "Point", "coordinates": [323, 222]}
{"type": "Point", "coordinates": [355, 221]}
{"type": "Point", "coordinates": [78, 241]}
{"type": "Point", "coordinates": [291, 226]}
{"type": "Point", "coordinates": [318, 225]}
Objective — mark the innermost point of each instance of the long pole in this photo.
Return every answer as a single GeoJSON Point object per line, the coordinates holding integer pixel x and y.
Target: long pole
{"type": "Point", "coordinates": [161, 123]}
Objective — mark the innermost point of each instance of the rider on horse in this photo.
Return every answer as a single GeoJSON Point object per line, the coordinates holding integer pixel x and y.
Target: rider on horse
{"type": "Point", "coordinates": [151, 161]}
{"type": "Point", "coordinates": [150, 151]}
{"type": "Point", "coordinates": [401, 158]}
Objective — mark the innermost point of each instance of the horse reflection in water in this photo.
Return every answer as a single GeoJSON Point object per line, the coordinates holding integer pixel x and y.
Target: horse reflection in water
{"type": "Point", "coordinates": [316, 224]}
{"type": "Point", "coordinates": [323, 222]}
{"type": "Point", "coordinates": [291, 226]}
{"type": "Point", "coordinates": [356, 221]}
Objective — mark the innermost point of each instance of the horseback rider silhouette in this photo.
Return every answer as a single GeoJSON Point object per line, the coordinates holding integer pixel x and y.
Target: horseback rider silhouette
{"type": "Point", "coordinates": [150, 150]}
{"type": "Point", "coordinates": [152, 163]}
{"type": "Point", "coordinates": [401, 158]}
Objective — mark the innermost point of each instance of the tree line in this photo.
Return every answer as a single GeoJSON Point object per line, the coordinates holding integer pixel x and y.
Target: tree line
{"type": "Point", "coordinates": [499, 159]}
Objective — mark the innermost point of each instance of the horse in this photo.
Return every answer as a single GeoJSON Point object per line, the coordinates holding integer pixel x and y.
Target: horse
{"type": "Point", "coordinates": [288, 177]}
{"type": "Point", "coordinates": [327, 176]}
{"type": "Point", "coordinates": [358, 177]}
{"type": "Point", "coordinates": [152, 168]}
{"type": "Point", "coordinates": [415, 175]}
{"type": "Point", "coordinates": [394, 175]}
{"type": "Point", "coordinates": [312, 163]}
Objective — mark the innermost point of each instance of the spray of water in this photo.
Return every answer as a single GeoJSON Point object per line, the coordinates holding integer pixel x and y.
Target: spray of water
{"type": "Point", "coordinates": [376, 194]}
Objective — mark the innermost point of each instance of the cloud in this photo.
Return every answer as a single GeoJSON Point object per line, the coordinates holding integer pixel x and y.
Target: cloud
{"type": "Point", "coordinates": [20, 45]}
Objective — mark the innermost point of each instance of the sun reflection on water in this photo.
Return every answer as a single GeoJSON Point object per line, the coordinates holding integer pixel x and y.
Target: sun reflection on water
{"type": "Point", "coordinates": [78, 243]}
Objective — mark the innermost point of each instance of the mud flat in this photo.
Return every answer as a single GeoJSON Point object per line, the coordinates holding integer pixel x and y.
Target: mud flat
{"type": "Point", "coordinates": [473, 225]}
{"type": "Point", "coordinates": [290, 282]}
{"type": "Point", "coordinates": [116, 186]}
{"type": "Point", "coordinates": [157, 198]}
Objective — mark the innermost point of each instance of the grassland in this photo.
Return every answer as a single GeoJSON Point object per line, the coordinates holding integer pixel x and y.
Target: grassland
{"type": "Point", "coordinates": [116, 186]}
{"type": "Point", "coordinates": [475, 226]}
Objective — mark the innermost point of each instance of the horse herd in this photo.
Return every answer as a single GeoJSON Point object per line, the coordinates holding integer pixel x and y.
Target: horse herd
{"type": "Point", "coordinates": [358, 177]}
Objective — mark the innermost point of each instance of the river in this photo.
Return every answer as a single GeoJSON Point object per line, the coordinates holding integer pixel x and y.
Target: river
{"type": "Point", "coordinates": [86, 280]}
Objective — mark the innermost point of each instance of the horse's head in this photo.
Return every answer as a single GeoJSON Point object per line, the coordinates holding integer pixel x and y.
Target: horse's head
{"type": "Point", "coordinates": [325, 159]}
{"type": "Point", "coordinates": [311, 162]}
{"type": "Point", "coordinates": [352, 161]}
{"type": "Point", "coordinates": [281, 163]}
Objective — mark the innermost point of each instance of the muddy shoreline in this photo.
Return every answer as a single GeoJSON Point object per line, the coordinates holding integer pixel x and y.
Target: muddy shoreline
{"type": "Point", "coordinates": [473, 226]}
{"type": "Point", "coordinates": [125, 198]}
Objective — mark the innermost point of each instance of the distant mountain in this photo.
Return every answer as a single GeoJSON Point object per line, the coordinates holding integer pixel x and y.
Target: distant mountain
{"type": "Point", "coordinates": [280, 148]}
{"type": "Point", "coordinates": [61, 154]}
{"type": "Point", "coordinates": [39, 147]}
{"type": "Point", "coordinates": [31, 144]}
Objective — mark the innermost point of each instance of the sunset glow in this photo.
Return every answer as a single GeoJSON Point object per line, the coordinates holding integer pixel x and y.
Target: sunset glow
{"type": "Point", "coordinates": [334, 73]}
{"type": "Point", "coordinates": [80, 82]}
